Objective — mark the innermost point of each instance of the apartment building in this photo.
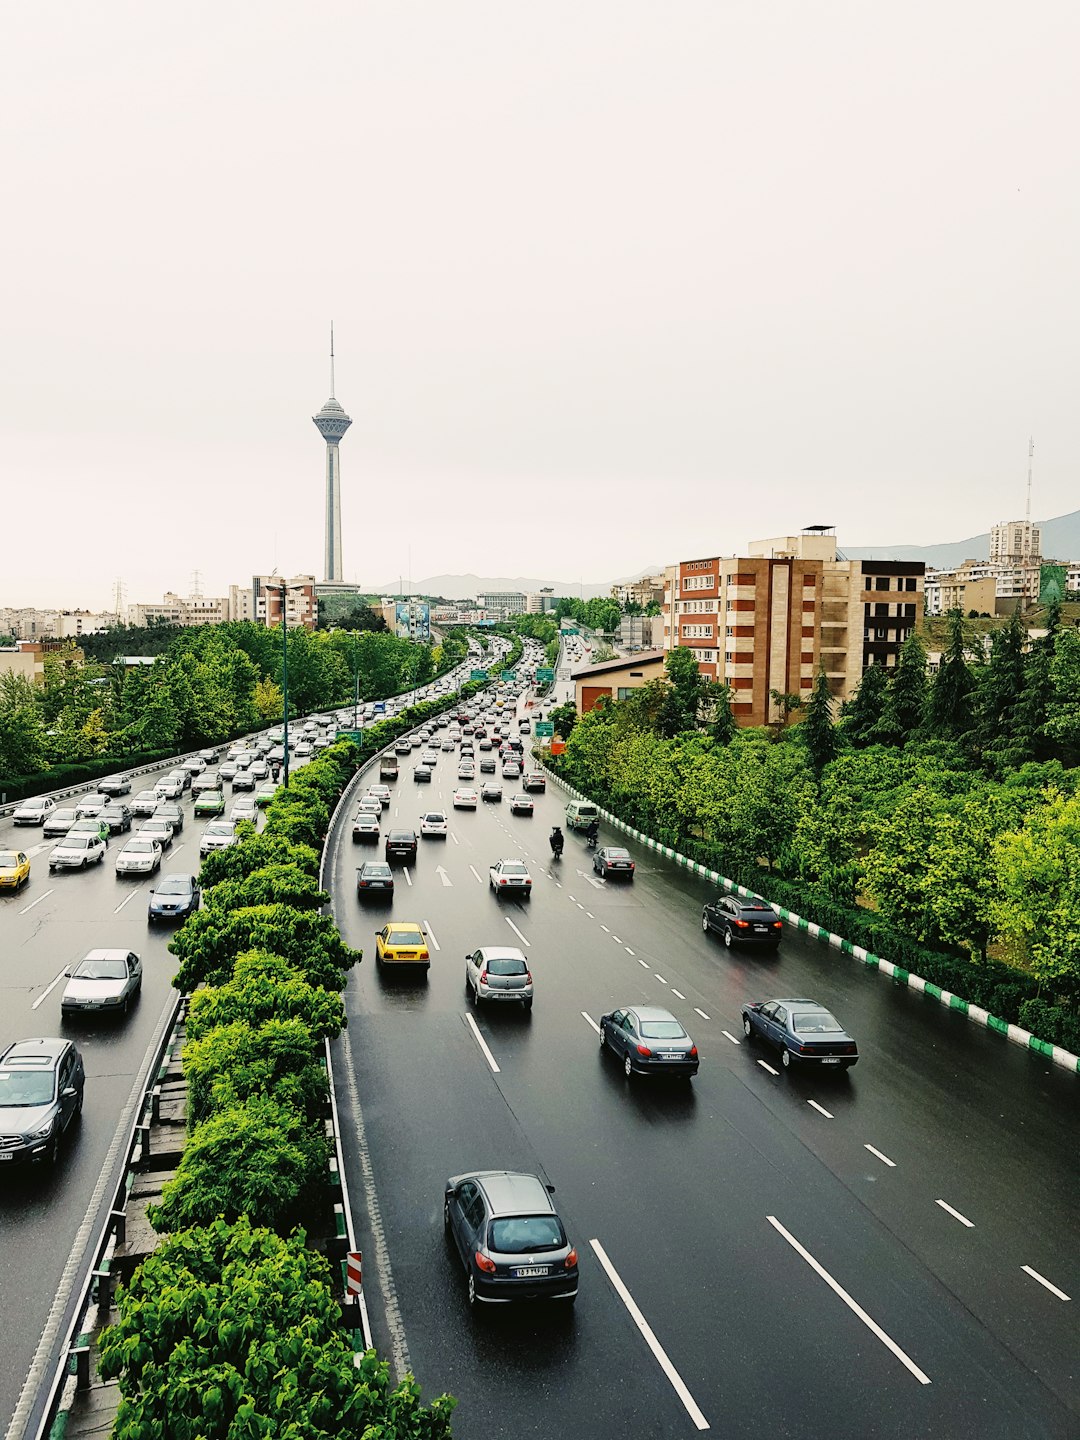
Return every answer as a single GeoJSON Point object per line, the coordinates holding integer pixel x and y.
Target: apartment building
{"type": "Point", "coordinates": [509, 602]}
{"type": "Point", "coordinates": [300, 604]}
{"type": "Point", "coordinates": [649, 590]}
{"type": "Point", "coordinates": [180, 610]}
{"type": "Point", "coordinates": [1015, 542]}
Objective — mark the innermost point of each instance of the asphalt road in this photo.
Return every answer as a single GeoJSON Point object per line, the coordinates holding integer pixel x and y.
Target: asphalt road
{"type": "Point", "coordinates": [747, 1215]}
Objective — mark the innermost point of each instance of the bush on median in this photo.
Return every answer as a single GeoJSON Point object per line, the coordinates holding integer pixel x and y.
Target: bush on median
{"type": "Point", "coordinates": [233, 1064]}
{"type": "Point", "coordinates": [264, 987]}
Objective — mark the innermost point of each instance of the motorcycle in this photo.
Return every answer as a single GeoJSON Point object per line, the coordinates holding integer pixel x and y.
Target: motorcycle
{"type": "Point", "coordinates": [556, 843]}
{"type": "Point", "coordinates": [590, 842]}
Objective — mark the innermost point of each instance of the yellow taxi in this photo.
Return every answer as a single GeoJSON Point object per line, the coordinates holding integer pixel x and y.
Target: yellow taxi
{"type": "Point", "coordinates": [14, 869]}
{"type": "Point", "coordinates": [402, 944]}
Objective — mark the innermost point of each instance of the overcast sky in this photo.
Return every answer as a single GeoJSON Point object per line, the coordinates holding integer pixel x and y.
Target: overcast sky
{"type": "Point", "coordinates": [614, 282]}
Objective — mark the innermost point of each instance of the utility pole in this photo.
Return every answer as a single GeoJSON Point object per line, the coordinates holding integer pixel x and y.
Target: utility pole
{"type": "Point", "coordinates": [1031, 461]}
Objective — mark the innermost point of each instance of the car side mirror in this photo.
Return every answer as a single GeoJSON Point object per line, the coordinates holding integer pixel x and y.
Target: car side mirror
{"type": "Point", "coordinates": [68, 1092]}
{"type": "Point", "coordinates": [69, 972]}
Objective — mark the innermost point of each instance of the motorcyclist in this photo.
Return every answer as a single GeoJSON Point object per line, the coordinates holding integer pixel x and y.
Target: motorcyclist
{"type": "Point", "coordinates": [556, 840]}
{"type": "Point", "coordinates": [592, 832]}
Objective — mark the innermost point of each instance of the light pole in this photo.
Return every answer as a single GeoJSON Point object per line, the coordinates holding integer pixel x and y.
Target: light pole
{"type": "Point", "coordinates": [284, 587]}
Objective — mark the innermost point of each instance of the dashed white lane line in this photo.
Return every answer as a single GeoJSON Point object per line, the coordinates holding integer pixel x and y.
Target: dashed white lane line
{"type": "Point", "coordinates": [700, 1012]}
{"type": "Point", "coordinates": [126, 899]}
{"type": "Point", "coordinates": [659, 977]}
{"type": "Point", "coordinates": [883, 1158]}
{"type": "Point", "coordinates": [852, 1304]}
{"type": "Point", "coordinates": [516, 931]}
{"type": "Point", "coordinates": [571, 897]}
{"type": "Point", "coordinates": [579, 905]}
{"type": "Point", "coordinates": [476, 873]}
{"type": "Point", "coordinates": [488, 1056]}
{"type": "Point", "coordinates": [659, 1354]}
{"type": "Point", "coordinates": [820, 1109]}
{"type": "Point", "coordinates": [590, 914]}
{"type": "Point", "coordinates": [558, 884]}
{"type": "Point", "coordinates": [731, 1037]}
{"type": "Point", "coordinates": [44, 896]}
{"type": "Point", "coordinates": [603, 927]}
{"type": "Point", "coordinates": [970, 1224]}
{"type": "Point", "coordinates": [644, 964]}
{"type": "Point", "coordinates": [630, 952]}
{"type": "Point", "coordinates": [1043, 1281]}
{"type": "Point", "coordinates": [589, 1020]}
{"type": "Point", "coordinates": [678, 993]}
{"type": "Point", "coordinates": [408, 877]}
{"type": "Point", "coordinates": [45, 993]}
{"type": "Point", "coordinates": [616, 939]}
{"type": "Point", "coordinates": [454, 838]}
{"type": "Point", "coordinates": [431, 935]}
{"type": "Point", "coordinates": [766, 1066]}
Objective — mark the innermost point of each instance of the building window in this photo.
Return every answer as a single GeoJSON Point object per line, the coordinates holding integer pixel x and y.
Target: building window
{"type": "Point", "coordinates": [730, 630]}
{"type": "Point", "coordinates": [623, 693]}
{"type": "Point", "coordinates": [729, 657]}
{"type": "Point", "coordinates": [881, 583]}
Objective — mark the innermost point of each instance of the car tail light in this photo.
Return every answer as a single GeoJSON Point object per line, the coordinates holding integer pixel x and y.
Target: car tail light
{"type": "Point", "coordinates": [528, 981]}
{"type": "Point", "coordinates": [571, 1260]}
{"type": "Point", "coordinates": [644, 1050]}
{"type": "Point", "coordinates": [776, 924]}
{"type": "Point", "coordinates": [693, 1051]}
{"type": "Point", "coordinates": [484, 1263]}
{"type": "Point", "coordinates": [528, 882]}
{"type": "Point", "coordinates": [502, 880]}
{"type": "Point", "coordinates": [743, 924]}
{"type": "Point", "coordinates": [483, 977]}
{"type": "Point", "coordinates": [423, 954]}
{"type": "Point", "coordinates": [851, 1049]}
{"type": "Point", "coordinates": [363, 884]}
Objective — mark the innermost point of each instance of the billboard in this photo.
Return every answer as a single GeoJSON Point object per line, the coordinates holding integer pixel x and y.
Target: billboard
{"type": "Point", "coordinates": [412, 620]}
{"type": "Point", "coordinates": [1052, 582]}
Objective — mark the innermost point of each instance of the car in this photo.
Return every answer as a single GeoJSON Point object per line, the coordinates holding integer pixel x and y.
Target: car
{"type": "Point", "coordinates": [209, 755]}
{"type": "Point", "coordinates": [534, 780]}
{"type": "Point", "coordinates": [464, 799]}
{"type": "Point", "coordinates": [90, 806]}
{"type": "Point", "coordinates": [803, 1031]}
{"type": "Point", "coordinates": [41, 1093]}
{"type": "Point", "coordinates": [613, 862]}
{"type": "Point", "coordinates": [244, 808]}
{"type": "Point", "coordinates": [92, 825]}
{"type": "Point", "coordinates": [194, 765]}
{"type": "Point", "coordinates": [14, 869]}
{"type": "Point", "coordinates": [492, 792]}
{"type": "Point", "coordinates": [374, 881]}
{"type": "Point", "coordinates": [140, 856]}
{"type": "Point", "coordinates": [117, 817]}
{"type": "Point", "coordinates": [509, 1238]}
{"type": "Point", "coordinates": [103, 980]}
{"type": "Point", "coordinates": [447, 744]}
{"type": "Point", "coordinates": [403, 945]}
{"type": "Point", "coordinates": [265, 793]}
{"type": "Point", "coordinates": [201, 783]}
{"type": "Point", "coordinates": [260, 769]}
{"type": "Point", "coordinates": [369, 805]}
{"type": "Point", "coordinates": [648, 1041]}
{"type": "Point", "coordinates": [400, 845]}
{"type": "Point", "coordinates": [422, 774]}
{"type": "Point", "coordinates": [511, 770]}
{"type": "Point", "coordinates": [415, 740]}
{"type": "Point", "coordinates": [59, 822]}
{"type": "Point", "coordinates": [174, 896]}
{"type": "Point", "coordinates": [35, 811]}
{"type": "Point", "coordinates": [381, 793]}
{"type": "Point", "coordinates": [466, 770]}
{"type": "Point", "coordinates": [521, 805]}
{"type": "Point", "coordinates": [172, 813]}
{"type": "Point", "coordinates": [115, 785]}
{"type": "Point", "coordinates": [433, 824]}
{"type": "Point", "coordinates": [76, 852]}
{"type": "Point", "coordinates": [510, 877]}
{"type": "Point", "coordinates": [302, 750]}
{"type": "Point", "coordinates": [402, 747]}
{"type": "Point", "coordinates": [498, 973]}
{"type": "Point", "coordinates": [487, 765]}
{"type": "Point", "coordinates": [243, 780]}
{"type": "Point", "coordinates": [741, 919]}
{"type": "Point", "coordinates": [169, 787]}
{"type": "Point", "coordinates": [158, 830]}
{"type": "Point", "coordinates": [430, 758]}
{"type": "Point", "coordinates": [218, 835]}
{"type": "Point", "coordinates": [146, 803]}
{"type": "Point", "coordinates": [227, 770]}
{"type": "Point", "coordinates": [209, 802]}
{"type": "Point", "coordinates": [365, 828]}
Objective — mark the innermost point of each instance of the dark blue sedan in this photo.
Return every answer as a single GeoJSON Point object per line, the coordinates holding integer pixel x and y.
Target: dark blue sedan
{"type": "Point", "coordinates": [803, 1031]}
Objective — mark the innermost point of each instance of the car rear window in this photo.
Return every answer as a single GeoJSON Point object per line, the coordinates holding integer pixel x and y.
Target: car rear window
{"type": "Point", "coordinates": [817, 1025]}
{"type": "Point", "coordinates": [507, 967]}
{"type": "Point", "coordinates": [523, 1234]}
{"type": "Point", "coordinates": [411, 938]}
{"type": "Point", "coordinates": [514, 870]}
{"type": "Point", "coordinates": [662, 1030]}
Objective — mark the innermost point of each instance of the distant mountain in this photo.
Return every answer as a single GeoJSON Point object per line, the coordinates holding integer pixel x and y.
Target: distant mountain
{"type": "Point", "coordinates": [466, 587]}
{"type": "Point", "coordinates": [1060, 541]}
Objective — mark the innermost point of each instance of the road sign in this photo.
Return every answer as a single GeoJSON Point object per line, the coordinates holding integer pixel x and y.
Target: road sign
{"type": "Point", "coordinates": [508, 675]}
{"type": "Point", "coordinates": [479, 675]}
{"type": "Point", "coordinates": [354, 1272]}
{"type": "Point", "coordinates": [356, 735]}
{"type": "Point", "coordinates": [544, 676]}
{"type": "Point", "coordinates": [544, 729]}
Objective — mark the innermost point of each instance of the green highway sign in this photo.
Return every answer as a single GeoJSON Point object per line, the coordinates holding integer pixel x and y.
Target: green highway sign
{"type": "Point", "coordinates": [544, 729]}
{"type": "Point", "coordinates": [479, 675]}
{"type": "Point", "coordinates": [356, 735]}
{"type": "Point", "coordinates": [544, 676]}
{"type": "Point", "coordinates": [508, 675]}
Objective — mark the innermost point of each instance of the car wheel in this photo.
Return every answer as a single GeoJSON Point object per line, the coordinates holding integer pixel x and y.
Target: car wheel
{"type": "Point", "coordinates": [785, 1058]}
{"type": "Point", "coordinates": [472, 1291]}
{"type": "Point", "coordinates": [54, 1152]}
{"type": "Point", "coordinates": [446, 1214]}
{"type": "Point", "coordinates": [628, 1069]}
{"type": "Point", "coordinates": [705, 924]}
{"type": "Point", "coordinates": [527, 1003]}
{"type": "Point", "coordinates": [747, 1028]}
{"type": "Point", "coordinates": [468, 986]}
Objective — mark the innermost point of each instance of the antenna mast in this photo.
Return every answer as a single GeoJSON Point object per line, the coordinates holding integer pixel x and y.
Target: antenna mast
{"type": "Point", "coordinates": [1031, 457]}
{"type": "Point", "coordinates": [331, 357]}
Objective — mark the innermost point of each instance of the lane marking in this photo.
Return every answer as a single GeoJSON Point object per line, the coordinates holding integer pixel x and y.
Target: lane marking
{"type": "Point", "coordinates": [431, 935]}
{"type": "Point", "coordinates": [478, 880]}
{"type": "Point", "coordinates": [766, 1066]}
{"type": "Point", "coordinates": [589, 1020]}
{"type": "Point", "coordinates": [956, 1214]}
{"type": "Point", "coordinates": [630, 952]}
{"type": "Point", "coordinates": [177, 848]}
{"type": "Point", "coordinates": [571, 897]}
{"type": "Point", "coordinates": [590, 914]}
{"type": "Point", "coordinates": [453, 836]}
{"type": "Point", "coordinates": [700, 1012]}
{"type": "Point", "coordinates": [603, 927]}
{"type": "Point", "coordinates": [731, 1037]}
{"type": "Point", "coordinates": [579, 905]}
{"type": "Point", "coordinates": [516, 931]}
{"type": "Point", "coordinates": [659, 977]}
{"type": "Point", "coordinates": [488, 1056]}
{"type": "Point", "coordinates": [616, 939]}
{"type": "Point", "coordinates": [47, 992]}
{"type": "Point", "coordinates": [660, 1355]}
{"type": "Point", "coordinates": [1043, 1281]}
{"type": "Point", "coordinates": [820, 1109]}
{"type": "Point", "coordinates": [883, 1158]}
{"type": "Point", "coordinates": [852, 1304]}
{"type": "Point", "coordinates": [38, 901]}
{"type": "Point", "coordinates": [678, 993]}
{"type": "Point", "coordinates": [125, 900]}
{"type": "Point", "coordinates": [558, 884]}
{"type": "Point", "coordinates": [408, 877]}
{"type": "Point", "coordinates": [644, 963]}
{"type": "Point", "coordinates": [440, 870]}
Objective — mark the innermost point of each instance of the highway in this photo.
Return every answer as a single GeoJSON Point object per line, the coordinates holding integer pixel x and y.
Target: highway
{"type": "Point", "coordinates": [808, 1255]}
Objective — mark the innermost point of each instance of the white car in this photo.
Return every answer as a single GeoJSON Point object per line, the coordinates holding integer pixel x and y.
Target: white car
{"type": "Point", "coordinates": [499, 972]}
{"type": "Point", "coordinates": [169, 787]}
{"type": "Point", "coordinates": [76, 852]}
{"type": "Point", "coordinates": [369, 805]}
{"type": "Point", "coordinates": [465, 799]}
{"type": "Point", "coordinates": [380, 793]}
{"type": "Point", "coordinates": [218, 835]}
{"type": "Point", "coordinates": [34, 812]}
{"type": "Point", "coordinates": [160, 831]}
{"type": "Point", "coordinates": [140, 856]}
{"type": "Point", "coordinates": [102, 980]}
{"type": "Point", "coordinates": [511, 877]}
{"type": "Point", "coordinates": [434, 824]}
{"type": "Point", "coordinates": [194, 766]}
{"type": "Point", "coordinates": [430, 757]}
{"type": "Point", "coordinates": [243, 808]}
{"type": "Point", "coordinates": [146, 802]}
{"type": "Point", "coordinates": [366, 827]}
{"type": "Point", "coordinates": [466, 770]}
{"type": "Point", "coordinates": [90, 806]}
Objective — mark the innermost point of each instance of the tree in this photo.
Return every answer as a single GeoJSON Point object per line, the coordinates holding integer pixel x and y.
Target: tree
{"type": "Point", "coordinates": [786, 702]}
{"type": "Point", "coordinates": [268, 700]}
{"type": "Point", "coordinates": [722, 725]}
{"type": "Point", "coordinates": [1000, 685]}
{"type": "Point", "coordinates": [817, 732]}
{"type": "Point", "coordinates": [948, 707]}
{"type": "Point", "coordinates": [265, 987]}
{"type": "Point", "coordinates": [232, 1064]}
{"type": "Point", "coordinates": [563, 719]}
{"type": "Point", "coordinates": [863, 712]}
{"type": "Point", "coordinates": [1063, 703]}
{"type": "Point", "coordinates": [22, 734]}
{"type": "Point", "coordinates": [897, 867]}
{"type": "Point", "coordinates": [1032, 742]}
{"type": "Point", "coordinates": [278, 884]}
{"type": "Point", "coordinates": [905, 699]}
{"type": "Point", "coordinates": [1037, 908]}
{"type": "Point", "coordinates": [687, 692]}
{"type": "Point", "coordinates": [257, 851]}
{"type": "Point", "coordinates": [208, 943]}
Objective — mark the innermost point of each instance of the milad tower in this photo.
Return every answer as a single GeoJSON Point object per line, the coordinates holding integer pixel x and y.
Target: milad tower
{"type": "Point", "coordinates": [331, 423]}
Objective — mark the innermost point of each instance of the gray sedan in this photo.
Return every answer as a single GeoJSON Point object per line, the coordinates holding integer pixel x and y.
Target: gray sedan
{"type": "Point", "coordinates": [648, 1041]}
{"type": "Point", "coordinates": [108, 980]}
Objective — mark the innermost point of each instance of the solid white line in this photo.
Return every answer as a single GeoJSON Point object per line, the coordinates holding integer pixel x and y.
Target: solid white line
{"type": "Point", "coordinates": [883, 1158]}
{"type": "Point", "coordinates": [857, 1309]}
{"type": "Point", "coordinates": [38, 901]}
{"type": "Point", "coordinates": [1043, 1281]}
{"type": "Point", "coordinates": [731, 1037]}
{"type": "Point", "coordinates": [488, 1056]}
{"type": "Point", "coordinates": [678, 993]}
{"type": "Point", "coordinates": [650, 1339]}
{"type": "Point", "coordinates": [643, 963]}
{"type": "Point", "coordinates": [820, 1109]}
{"type": "Point", "coordinates": [659, 977]}
{"type": "Point", "coordinates": [49, 991]}
{"type": "Point", "coordinates": [408, 877]}
{"type": "Point", "coordinates": [516, 931]}
{"type": "Point", "coordinates": [956, 1214]}
{"type": "Point", "coordinates": [587, 1017]}
{"type": "Point", "coordinates": [630, 952]}
{"type": "Point", "coordinates": [431, 934]}
{"type": "Point", "coordinates": [478, 880]}
{"type": "Point", "coordinates": [125, 900]}
{"type": "Point", "coordinates": [700, 1012]}
{"type": "Point", "coordinates": [603, 927]}
{"type": "Point", "coordinates": [766, 1066]}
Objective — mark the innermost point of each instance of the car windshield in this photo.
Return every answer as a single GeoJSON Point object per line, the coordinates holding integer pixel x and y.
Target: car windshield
{"type": "Point", "coordinates": [19, 1087]}
{"type": "Point", "coordinates": [662, 1030]}
{"type": "Point", "coordinates": [510, 868]}
{"type": "Point", "coordinates": [404, 837]}
{"type": "Point", "coordinates": [100, 970]}
{"type": "Point", "coordinates": [78, 842]}
{"type": "Point", "coordinates": [63, 817]}
{"type": "Point", "coordinates": [760, 912]}
{"type": "Point", "coordinates": [8, 859]}
{"type": "Point", "coordinates": [218, 830]}
{"type": "Point", "coordinates": [524, 1234]}
{"type": "Point", "coordinates": [174, 885]}
{"type": "Point", "coordinates": [820, 1024]}
{"type": "Point", "coordinates": [405, 937]}
{"type": "Point", "coordinates": [506, 967]}
{"type": "Point", "coordinates": [139, 847]}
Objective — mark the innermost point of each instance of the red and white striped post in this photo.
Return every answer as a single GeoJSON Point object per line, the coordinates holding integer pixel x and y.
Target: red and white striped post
{"type": "Point", "coordinates": [354, 1275]}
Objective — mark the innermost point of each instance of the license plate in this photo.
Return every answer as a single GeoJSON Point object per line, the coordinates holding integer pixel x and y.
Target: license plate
{"type": "Point", "coordinates": [763, 929]}
{"type": "Point", "coordinates": [830, 1060]}
{"type": "Point", "coordinates": [6, 1155]}
{"type": "Point", "coordinates": [526, 1270]}
{"type": "Point", "coordinates": [671, 1055]}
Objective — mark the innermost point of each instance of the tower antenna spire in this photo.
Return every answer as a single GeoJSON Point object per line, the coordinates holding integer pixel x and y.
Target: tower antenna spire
{"type": "Point", "coordinates": [1031, 458]}
{"type": "Point", "coordinates": [331, 357]}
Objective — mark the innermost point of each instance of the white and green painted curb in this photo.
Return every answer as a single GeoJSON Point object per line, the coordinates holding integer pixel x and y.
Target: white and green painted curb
{"type": "Point", "coordinates": [975, 1013]}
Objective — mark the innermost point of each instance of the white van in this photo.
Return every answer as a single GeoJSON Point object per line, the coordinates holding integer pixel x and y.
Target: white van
{"type": "Point", "coordinates": [580, 813]}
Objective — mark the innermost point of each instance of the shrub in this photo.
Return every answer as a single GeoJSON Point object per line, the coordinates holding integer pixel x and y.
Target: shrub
{"type": "Point", "coordinates": [234, 1063]}
{"type": "Point", "coordinates": [271, 885]}
{"type": "Point", "coordinates": [264, 987]}
{"type": "Point", "coordinates": [209, 942]}
{"type": "Point", "coordinates": [257, 851]}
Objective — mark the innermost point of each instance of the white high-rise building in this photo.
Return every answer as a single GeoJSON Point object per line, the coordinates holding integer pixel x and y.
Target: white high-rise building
{"type": "Point", "coordinates": [331, 423]}
{"type": "Point", "coordinates": [1015, 542]}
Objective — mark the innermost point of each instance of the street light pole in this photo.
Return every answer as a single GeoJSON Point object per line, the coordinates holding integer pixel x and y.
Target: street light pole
{"type": "Point", "coordinates": [284, 589]}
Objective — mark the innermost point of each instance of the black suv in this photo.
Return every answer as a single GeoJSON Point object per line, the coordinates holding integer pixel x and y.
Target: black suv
{"type": "Point", "coordinates": [742, 921]}
{"type": "Point", "coordinates": [401, 845]}
{"type": "Point", "coordinates": [41, 1093]}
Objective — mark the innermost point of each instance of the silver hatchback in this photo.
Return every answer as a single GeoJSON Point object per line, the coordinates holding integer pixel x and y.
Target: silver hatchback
{"type": "Point", "coordinates": [498, 972]}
